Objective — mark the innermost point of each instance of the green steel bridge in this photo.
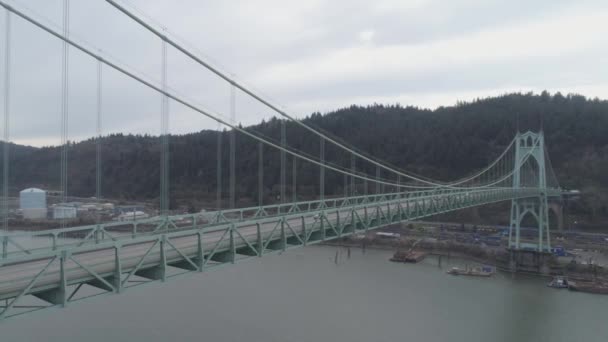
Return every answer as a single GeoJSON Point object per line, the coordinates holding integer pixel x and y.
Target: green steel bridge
{"type": "Point", "coordinates": [52, 268]}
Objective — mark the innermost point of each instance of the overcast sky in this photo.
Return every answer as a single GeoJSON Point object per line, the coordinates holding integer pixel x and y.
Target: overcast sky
{"type": "Point", "coordinates": [306, 56]}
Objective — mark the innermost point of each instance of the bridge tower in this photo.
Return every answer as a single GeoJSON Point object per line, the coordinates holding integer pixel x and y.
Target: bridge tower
{"type": "Point", "coordinates": [530, 150]}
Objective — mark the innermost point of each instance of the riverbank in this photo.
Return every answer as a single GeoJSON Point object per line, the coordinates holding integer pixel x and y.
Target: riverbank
{"type": "Point", "coordinates": [500, 258]}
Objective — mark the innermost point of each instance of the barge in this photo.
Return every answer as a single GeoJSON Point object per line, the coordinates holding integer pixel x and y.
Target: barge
{"type": "Point", "coordinates": [589, 287]}
{"type": "Point", "coordinates": [484, 271]}
{"type": "Point", "coordinates": [408, 257]}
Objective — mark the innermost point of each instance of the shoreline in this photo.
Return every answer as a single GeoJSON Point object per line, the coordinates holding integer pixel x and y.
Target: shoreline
{"type": "Point", "coordinates": [495, 258]}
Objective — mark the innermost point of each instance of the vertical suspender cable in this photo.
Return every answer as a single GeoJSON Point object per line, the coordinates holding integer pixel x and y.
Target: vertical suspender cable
{"type": "Point", "coordinates": [261, 100]}
{"type": "Point", "coordinates": [161, 197]}
{"type": "Point", "coordinates": [294, 184]}
{"type": "Point", "coordinates": [187, 104]}
{"type": "Point", "coordinates": [353, 190]}
{"type": "Point", "coordinates": [322, 170]}
{"type": "Point", "coordinates": [219, 168]}
{"type": "Point", "coordinates": [6, 137]}
{"type": "Point", "coordinates": [260, 174]}
{"type": "Point", "coordinates": [65, 107]}
{"type": "Point", "coordinates": [377, 177]}
{"type": "Point", "coordinates": [98, 170]}
{"type": "Point", "coordinates": [283, 161]}
{"type": "Point", "coordinates": [164, 153]}
{"type": "Point", "coordinates": [398, 183]}
{"type": "Point", "coordinates": [232, 148]}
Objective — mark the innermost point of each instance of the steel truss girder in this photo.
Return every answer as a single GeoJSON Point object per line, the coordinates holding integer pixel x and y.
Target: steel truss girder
{"type": "Point", "coordinates": [219, 244]}
{"type": "Point", "coordinates": [100, 233]}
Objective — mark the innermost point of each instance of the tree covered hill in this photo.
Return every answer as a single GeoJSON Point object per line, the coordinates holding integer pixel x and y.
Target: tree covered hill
{"type": "Point", "coordinates": [445, 143]}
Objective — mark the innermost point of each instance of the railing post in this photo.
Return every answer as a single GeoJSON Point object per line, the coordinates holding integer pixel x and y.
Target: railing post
{"type": "Point", "coordinates": [63, 284]}
{"type": "Point", "coordinates": [117, 269]}
{"type": "Point", "coordinates": [232, 245]}
{"type": "Point", "coordinates": [322, 226]}
{"type": "Point", "coordinates": [200, 254]}
{"type": "Point", "coordinates": [163, 257]}
{"type": "Point", "coordinates": [96, 233]}
{"type": "Point", "coordinates": [338, 223]}
{"type": "Point", "coordinates": [304, 233]}
{"type": "Point", "coordinates": [283, 236]}
{"type": "Point", "coordinates": [259, 238]}
{"type": "Point", "coordinates": [399, 208]}
{"type": "Point", "coordinates": [4, 247]}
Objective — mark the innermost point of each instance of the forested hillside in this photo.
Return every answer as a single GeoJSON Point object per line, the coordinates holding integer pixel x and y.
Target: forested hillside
{"type": "Point", "coordinates": [445, 144]}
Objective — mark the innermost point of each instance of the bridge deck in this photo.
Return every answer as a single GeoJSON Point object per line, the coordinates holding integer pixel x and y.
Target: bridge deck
{"type": "Point", "coordinates": [111, 262]}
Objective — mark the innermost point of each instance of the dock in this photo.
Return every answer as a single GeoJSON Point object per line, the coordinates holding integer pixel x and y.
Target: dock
{"type": "Point", "coordinates": [589, 287]}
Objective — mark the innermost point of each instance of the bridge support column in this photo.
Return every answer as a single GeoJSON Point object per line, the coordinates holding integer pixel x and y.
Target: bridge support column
{"type": "Point", "coordinates": [158, 272]}
{"type": "Point", "coordinates": [530, 148]}
{"type": "Point", "coordinates": [512, 261]}
{"type": "Point", "coordinates": [530, 261]}
{"type": "Point", "coordinates": [538, 208]}
{"type": "Point", "coordinates": [59, 295]}
{"type": "Point", "coordinates": [112, 283]}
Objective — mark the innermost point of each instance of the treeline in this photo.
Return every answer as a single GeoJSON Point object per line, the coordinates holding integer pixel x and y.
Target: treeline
{"type": "Point", "coordinates": [446, 143]}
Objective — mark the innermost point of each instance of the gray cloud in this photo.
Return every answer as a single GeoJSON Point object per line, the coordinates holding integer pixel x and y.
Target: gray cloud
{"type": "Point", "coordinates": [309, 56]}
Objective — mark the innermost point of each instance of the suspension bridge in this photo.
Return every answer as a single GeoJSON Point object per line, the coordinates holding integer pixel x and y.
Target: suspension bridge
{"type": "Point", "coordinates": [52, 268]}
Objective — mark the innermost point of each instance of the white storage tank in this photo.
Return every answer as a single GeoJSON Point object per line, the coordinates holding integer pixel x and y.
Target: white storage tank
{"type": "Point", "coordinates": [32, 203]}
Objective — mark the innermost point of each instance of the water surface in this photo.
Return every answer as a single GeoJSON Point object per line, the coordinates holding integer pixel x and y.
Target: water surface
{"type": "Point", "coordinates": [303, 295]}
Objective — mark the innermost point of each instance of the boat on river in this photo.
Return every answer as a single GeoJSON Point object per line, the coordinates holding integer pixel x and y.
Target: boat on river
{"type": "Point", "coordinates": [483, 271]}
{"type": "Point", "coordinates": [559, 283]}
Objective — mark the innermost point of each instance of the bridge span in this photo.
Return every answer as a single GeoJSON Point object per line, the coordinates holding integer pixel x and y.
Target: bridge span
{"type": "Point", "coordinates": [52, 268]}
{"type": "Point", "coordinates": [194, 243]}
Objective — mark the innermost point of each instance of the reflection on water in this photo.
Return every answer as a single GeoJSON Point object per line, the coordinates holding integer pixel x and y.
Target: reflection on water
{"type": "Point", "coordinates": [312, 294]}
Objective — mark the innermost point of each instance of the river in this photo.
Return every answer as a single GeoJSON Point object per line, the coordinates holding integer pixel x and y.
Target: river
{"type": "Point", "coordinates": [303, 295]}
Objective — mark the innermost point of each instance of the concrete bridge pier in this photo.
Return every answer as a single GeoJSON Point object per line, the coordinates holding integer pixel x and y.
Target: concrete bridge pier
{"type": "Point", "coordinates": [530, 261]}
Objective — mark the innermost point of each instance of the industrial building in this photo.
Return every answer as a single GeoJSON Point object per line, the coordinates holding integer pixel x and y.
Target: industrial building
{"type": "Point", "coordinates": [32, 203]}
{"type": "Point", "coordinates": [64, 212]}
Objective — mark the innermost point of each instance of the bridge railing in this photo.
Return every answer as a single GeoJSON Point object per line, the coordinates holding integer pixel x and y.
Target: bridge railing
{"type": "Point", "coordinates": [30, 243]}
{"type": "Point", "coordinates": [21, 242]}
{"type": "Point", "coordinates": [60, 239]}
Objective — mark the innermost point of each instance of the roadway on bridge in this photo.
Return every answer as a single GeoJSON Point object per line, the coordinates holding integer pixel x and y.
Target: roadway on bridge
{"type": "Point", "coordinates": [17, 276]}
